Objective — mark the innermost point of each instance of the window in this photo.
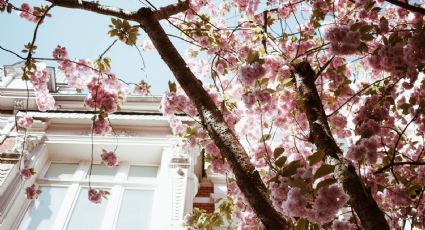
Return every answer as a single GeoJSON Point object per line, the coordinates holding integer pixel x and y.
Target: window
{"type": "Point", "coordinates": [130, 216]}
{"type": "Point", "coordinates": [64, 204]}
{"type": "Point", "coordinates": [42, 212]}
{"type": "Point", "coordinates": [80, 218]}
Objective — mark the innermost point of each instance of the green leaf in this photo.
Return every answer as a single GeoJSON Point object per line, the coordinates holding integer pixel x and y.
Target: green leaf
{"type": "Point", "coordinates": [363, 48]}
{"type": "Point", "coordinates": [367, 37]}
{"type": "Point", "coordinates": [287, 81]}
{"type": "Point", "coordinates": [316, 157]}
{"type": "Point", "coordinates": [172, 86]}
{"type": "Point", "coordinates": [302, 224]}
{"type": "Point", "coordinates": [405, 107]}
{"type": "Point", "coordinates": [264, 81]}
{"type": "Point", "coordinates": [366, 29]}
{"type": "Point", "coordinates": [370, 6]}
{"type": "Point", "coordinates": [394, 39]}
{"type": "Point", "coordinates": [290, 169]}
{"type": "Point", "coordinates": [265, 137]}
{"type": "Point", "coordinates": [253, 56]}
{"type": "Point", "coordinates": [281, 161]}
{"type": "Point", "coordinates": [9, 8]}
{"type": "Point", "coordinates": [326, 182]}
{"type": "Point", "coordinates": [324, 170]}
{"type": "Point", "coordinates": [356, 26]}
{"type": "Point", "coordinates": [300, 184]}
{"type": "Point", "coordinates": [277, 152]}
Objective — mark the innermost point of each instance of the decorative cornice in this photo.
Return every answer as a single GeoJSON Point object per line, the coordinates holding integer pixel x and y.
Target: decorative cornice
{"type": "Point", "coordinates": [74, 115]}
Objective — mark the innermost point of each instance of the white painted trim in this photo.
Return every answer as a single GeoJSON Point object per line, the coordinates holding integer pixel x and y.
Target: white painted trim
{"type": "Point", "coordinates": [66, 205]}
{"type": "Point", "coordinates": [204, 200]}
{"type": "Point", "coordinates": [112, 208]}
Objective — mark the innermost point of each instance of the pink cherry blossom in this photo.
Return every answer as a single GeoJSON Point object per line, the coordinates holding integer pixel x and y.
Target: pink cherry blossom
{"type": "Point", "coordinates": [96, 195]}
{"type": "Point", "coordinates": [295, 204]}
{"type": "Point", "coordinates": [101, 126]}
{"type": "Point", "coordinates": [173, 103]}
{"type": "Point", "coordinates": [250, 73]}
{"type": "Point", "coordinates": [342, 225]}
{"type": "Point", "coordinates": [25, 122]}
{"type": "Point", "coordinates": [143, 88]}
{"type": "Point", "coordinates": [109, 158]}
{"type": "Point", "coordinates": [27, 13]}
{"type": "Point", "coordinates": [343, 40]}
{"type": "Point", "coordinates": [32, 192]}
{"type": "Point", "coordinates": [60, 53]}
{"type": "Point", "coordinates": [44, 100]}
{"type": "Point", "coordinates": [39, 79]}
{"type": "Point", "coordinates": [27, 173]}
{"type": "Point", "coordinates": [212, 149]}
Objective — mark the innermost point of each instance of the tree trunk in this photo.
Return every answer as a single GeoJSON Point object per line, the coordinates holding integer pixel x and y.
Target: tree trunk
{"type": "Point", "coordinates": [360, 199]}
{"type": "Point", "coordinates": [247, 177]}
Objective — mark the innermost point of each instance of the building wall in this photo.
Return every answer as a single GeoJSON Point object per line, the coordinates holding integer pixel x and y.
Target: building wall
{"type": "Point", "coordinates": [63, 135]}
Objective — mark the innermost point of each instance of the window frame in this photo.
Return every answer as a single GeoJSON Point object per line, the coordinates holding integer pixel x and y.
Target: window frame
{"type": "Point", "coordinates": [78, 182]}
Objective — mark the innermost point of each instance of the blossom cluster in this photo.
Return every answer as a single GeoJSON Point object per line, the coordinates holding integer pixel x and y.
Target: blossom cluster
{"type": "Point", "coordinates": [101, 126]}
{"type": "Point", "coordinates": [96, 195]}
{"type": "Point", "coordinates": [244, 212]}
{"type": "Point", "coordinates": [250, 73]}
{"type": "Point", "coordinates": [27, 173]}
{"type": "Point", "coordinates": [143, 88]}
{"type": "Point", "coordinates": [39, 79]}
{"type": "Point", "coordinates": [370, 115]}
{"type": "Point", "coordinates": [218, 163]}
{"type": "Point", "coordinates": [32, 192]}
{"type": "Point", "coordinates": [25, 122]}
{"type": "Point", "coordinates": [262, 97]}
{"type": "Point", "coordinates": [400, 58]}
{"type": "Point", "coordinates": [327, 203]}
{"type": "Point", "coordinates": [367, 148]}
{"type": "Point", "coordinates": [342, 225]}
{"type": "Point", "coordinates": [106, 93]}
{"type": "Point", "coordinates": [75, 72]}
{"type": "Point", "coordinates": [27, 13]}
{"type": "Point", "coordinates": [109, 158]}
{"type": "Point", "coordinates": [261, 154]}
{"type": "Point", "coordinates": [172, 103]}
{"type": "Point", "coordinates": [343, 41]}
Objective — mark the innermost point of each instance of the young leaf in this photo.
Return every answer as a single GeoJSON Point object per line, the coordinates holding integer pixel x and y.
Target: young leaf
{"type": "Point", "coordinates": [326, 182]}
{"type": "Point", "coordinates": [281, 161]}
{"type": "Point", "coordinates": [302, 224]}
{"type": "Point", "coordinates": [265, 137]}
{"type": "Point", "coordinates": [300, 184]}
{"type": "Point", "coordinates": [290, 169]}
{"type": "Point", "coordinates": [324, 170]}
{"type": "Point", "coordinates": [316, 157]}
{"type": "Point", "coordinates": [172, 86]}
{"type": "Point", "coordinates": [277, 152]}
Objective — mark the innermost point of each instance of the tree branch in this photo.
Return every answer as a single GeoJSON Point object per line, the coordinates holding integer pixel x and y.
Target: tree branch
{"type": "Point", "coordinates": [407, 6]}
{"type": "Point", "coordinates": [247, 177]}
{"type": "Point", "coordinates": [360, 199]}
{"type": "Point", "coordinates": [381, 170]}
{"type": "Point", "coordinates": [136, 16]}
{"type": "Point", "coordinates": [172, 9]}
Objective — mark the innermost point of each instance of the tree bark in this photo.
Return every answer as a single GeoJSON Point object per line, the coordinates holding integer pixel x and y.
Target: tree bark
{"type": "Point", "coordinates": [94, 6]}
{"type": "Point", "coordinates": [361, 200]}
{"type": "Point", "coordinates": [247, 177]}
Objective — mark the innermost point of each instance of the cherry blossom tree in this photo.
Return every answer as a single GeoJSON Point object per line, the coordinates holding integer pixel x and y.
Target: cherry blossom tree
{"type": "Point", "coordinates": [313, 109]}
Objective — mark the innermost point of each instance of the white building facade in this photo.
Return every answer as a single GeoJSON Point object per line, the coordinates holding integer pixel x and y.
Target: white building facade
{"type": "Point", "coordinates": [153, 187]}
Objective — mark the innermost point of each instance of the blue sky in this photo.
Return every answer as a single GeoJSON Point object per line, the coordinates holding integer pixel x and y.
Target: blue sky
{"type": "Point", "coordinates": [84, 34]}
